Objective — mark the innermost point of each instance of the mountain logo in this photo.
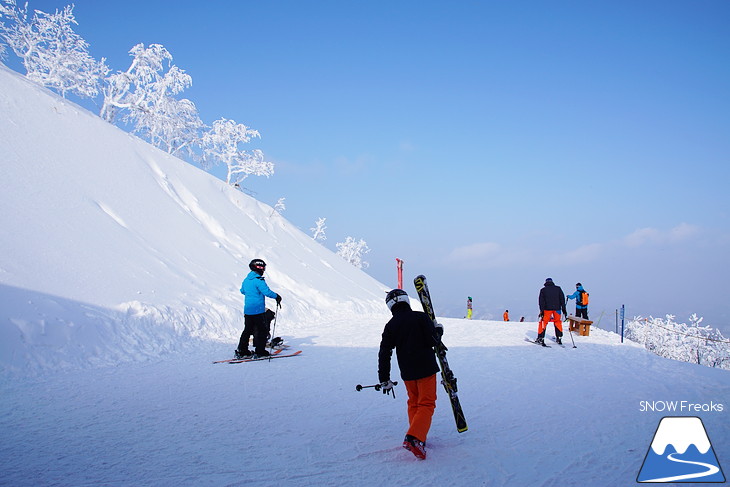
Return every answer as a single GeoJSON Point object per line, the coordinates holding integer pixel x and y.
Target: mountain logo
{"type": "Point", "coordinates": [681, 452]}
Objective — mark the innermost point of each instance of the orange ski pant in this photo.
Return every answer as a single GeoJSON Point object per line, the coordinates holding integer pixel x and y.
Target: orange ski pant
{"type": "Point", "coordinates": [421, 405]}
{"type": "Point", "coordinates": [547, 317]}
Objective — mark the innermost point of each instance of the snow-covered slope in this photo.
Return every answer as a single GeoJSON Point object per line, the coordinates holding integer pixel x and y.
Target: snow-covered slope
{"type": "Point", "coordinates": [111, 249]}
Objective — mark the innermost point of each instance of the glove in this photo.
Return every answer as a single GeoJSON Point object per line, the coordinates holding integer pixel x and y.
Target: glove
{"type": "Point", "coordinates": [387, 386]}
{"type": "Point", "coordinates": [439, 330]}
{"type": "Point", "coordinates": [278, 301]}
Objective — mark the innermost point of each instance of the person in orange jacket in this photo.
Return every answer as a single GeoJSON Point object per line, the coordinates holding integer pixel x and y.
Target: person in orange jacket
{"type": "Point", "coordinates": [505, 315]}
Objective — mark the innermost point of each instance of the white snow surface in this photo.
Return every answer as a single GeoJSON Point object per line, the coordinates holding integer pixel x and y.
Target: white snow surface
{"type": "Point", "coordinates": [120, 269]}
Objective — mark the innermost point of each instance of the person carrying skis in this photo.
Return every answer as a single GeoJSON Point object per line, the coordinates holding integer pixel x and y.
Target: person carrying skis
{"type": "Point", "coordinates": [413, 335]}
{"type": "Point", "coordinates": [255, 290]}
{"type": "Point", "coordinates": [552, 302]}
{"type": "Point", "coordinates": [581, 302]}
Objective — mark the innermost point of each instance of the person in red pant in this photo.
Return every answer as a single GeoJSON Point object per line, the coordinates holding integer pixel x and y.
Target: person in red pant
{"type": "Point", "coordinates": [413, 335]}
{"type": "Point", "coordinates": [552, 302]}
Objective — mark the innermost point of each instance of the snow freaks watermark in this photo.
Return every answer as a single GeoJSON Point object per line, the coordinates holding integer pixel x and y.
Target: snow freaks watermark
{"type": "Point", "coordinates": [680, 407]}
{"type": "Point", "coordinates": [681, 451]}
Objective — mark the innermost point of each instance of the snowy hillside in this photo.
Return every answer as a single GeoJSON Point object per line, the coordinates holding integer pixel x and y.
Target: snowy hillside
{"type": "Point", "coordinates": [114, 250]}
{"type": "Point", "coordinates": [119, 276]}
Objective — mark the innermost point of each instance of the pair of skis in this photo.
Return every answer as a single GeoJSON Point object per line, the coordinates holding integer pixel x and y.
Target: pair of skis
{"type": "Point", "coordinates": [276, 354]}
{"type": "Point", "coordinates": [447, 375]}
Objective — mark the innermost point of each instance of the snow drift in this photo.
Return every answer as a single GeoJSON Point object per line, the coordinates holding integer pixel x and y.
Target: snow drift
{"type": "Point", "coordinates": [114, 250]}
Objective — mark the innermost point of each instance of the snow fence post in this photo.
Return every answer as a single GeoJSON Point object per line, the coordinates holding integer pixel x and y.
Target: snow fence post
{"type": "Point", "coordinates": [399, 264]}
{"type": "Point", "coordinates": [623, 308]}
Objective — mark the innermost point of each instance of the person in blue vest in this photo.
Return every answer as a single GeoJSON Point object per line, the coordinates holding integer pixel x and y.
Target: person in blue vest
{"type": "Point", "coordinates": [255, 290]}
{"type": "Point", "coordinates": [581, 301]}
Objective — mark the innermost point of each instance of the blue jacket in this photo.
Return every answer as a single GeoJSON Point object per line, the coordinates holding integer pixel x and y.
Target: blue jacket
{"type": "Point", "coordinates": [255, 288]}
{"type": "Point", "coordinates": [576, 295]}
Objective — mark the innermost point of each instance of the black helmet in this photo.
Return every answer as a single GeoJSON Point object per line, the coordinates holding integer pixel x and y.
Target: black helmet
{"type": "Point", "coordinates": [257, 265]}
{"type": "Point", "coordinates": [396, 296]}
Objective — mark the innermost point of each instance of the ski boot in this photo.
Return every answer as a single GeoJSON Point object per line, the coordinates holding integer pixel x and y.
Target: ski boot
{"type": "Point", "coordinates": [415, 446]}
{"type": "Point", "coordinates": [243, 355]}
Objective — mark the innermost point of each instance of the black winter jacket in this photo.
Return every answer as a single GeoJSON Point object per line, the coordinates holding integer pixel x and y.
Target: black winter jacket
{"type": "Point", "coordinates": [412, 334]}
{"type": "Point", "coordinates": [552, 298]}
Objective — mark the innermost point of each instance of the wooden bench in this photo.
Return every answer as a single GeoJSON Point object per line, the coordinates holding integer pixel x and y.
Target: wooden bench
{"type": "Point", "coordinates": [582, 326]}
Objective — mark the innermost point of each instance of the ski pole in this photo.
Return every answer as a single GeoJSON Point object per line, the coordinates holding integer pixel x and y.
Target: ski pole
{"type": "Point", "coordinates": [273, 332]}
{"type": "Point", "coordinates": [571, 337]}
{"type": "Point", "coordinates": [377, 387]}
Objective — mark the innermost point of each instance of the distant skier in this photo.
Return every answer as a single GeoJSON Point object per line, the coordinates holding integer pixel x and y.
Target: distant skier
{"type": "Point", "coordinates": [255, 289]}
{"type": "Point", "coordinates": [413, 335]}
{"type": "Point", "coordinates": [505, 315]}
{"type": "Point", "coordinates": [551, 301]}
{"type": "Point", "coordinates": [468, 308]}
{"type": "Point", "coordinates": [581, 301]}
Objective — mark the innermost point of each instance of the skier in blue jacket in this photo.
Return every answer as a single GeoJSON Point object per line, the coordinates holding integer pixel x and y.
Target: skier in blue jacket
{"type": "Point", "coordinates": [581, 307]}
{"type": "Point", "coordinates": [255, 290]}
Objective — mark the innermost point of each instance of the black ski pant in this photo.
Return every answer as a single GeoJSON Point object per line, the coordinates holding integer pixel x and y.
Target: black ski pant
{"type": "Point", "coordinates": [257, 326]}
{"type": "Point", "coordinates": [581, 313]}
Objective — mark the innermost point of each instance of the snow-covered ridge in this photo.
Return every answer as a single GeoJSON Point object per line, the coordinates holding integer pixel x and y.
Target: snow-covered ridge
{"type": "Point", "coordinates": [113, 250]}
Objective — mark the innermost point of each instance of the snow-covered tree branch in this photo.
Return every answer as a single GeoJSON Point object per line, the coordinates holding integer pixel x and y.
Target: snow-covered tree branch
{"type": "Point", "coordinates": [279, 207]}
{"type": "Point", "coordinates": [352, 251]}
{"type": "Point", "coordinates": [221, 145]}
{"type": "Point", "coordinates": [318, 229]}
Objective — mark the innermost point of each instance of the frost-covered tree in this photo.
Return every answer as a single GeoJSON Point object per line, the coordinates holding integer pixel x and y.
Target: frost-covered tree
{"type": "Point", "coordinates": [678, 341]}
{"type": "Point", "coordinates": [352, 251]}
{"type": "Point", "coordinates": [169, 123]}
{"type": "Point", "coordinates": [280, 206]}
{"type": "Point", "coordinates": [145, 93]}
{"type": "Point", "coordinates": [318, 229]}
{"type": "Point", "coordinates": [221, 145]}
{"type": "Point", "coordinates": [3, 46]}
{"type": "Point", "coordinates": [52, 53]}
{"type": "Point", "coordinates": [132, 89]}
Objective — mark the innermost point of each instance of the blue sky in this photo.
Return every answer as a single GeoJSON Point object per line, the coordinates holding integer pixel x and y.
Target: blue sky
{"type": "Point", "coordinates": [488, 144]}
